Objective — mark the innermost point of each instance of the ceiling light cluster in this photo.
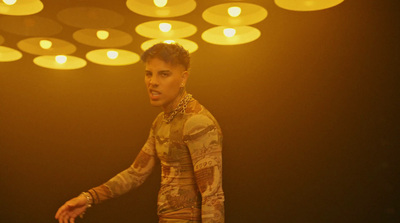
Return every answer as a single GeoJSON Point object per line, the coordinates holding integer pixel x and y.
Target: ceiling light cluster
{"type": "Point", "coordinates": [232, 22]}
{"type": "Point", "coordinates": [168, 31]}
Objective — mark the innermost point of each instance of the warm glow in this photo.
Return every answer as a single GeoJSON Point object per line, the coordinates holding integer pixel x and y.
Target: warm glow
{"type": "Point", "coordinates": [61, 59]}
{"type": "Point", "coordinates": [235, 14]}
{"type": "Point", "coordinates": [307, 5]}
{"type": "Point", "coordinates": [160, 3]}
{"type": "Point", "coordinates": [102, 34]}
{"type": "Point", "coordinates": [234, 11]}
{"type": "Point", "coordinates": [112, 57]}
{"type": "Point", "coordinates": [187, 44]}
{"type": "Point", "coordinates": [45, 44]}
{"type": "Point", "coordinates": [20, 8]}
{"type": "Point", "coordinates": [112, 54]}
{"type": "Point", "coordinates": [165, 27]}
{"type": "Point", "coordinates": [47, 61]}
{"type": "Point", "coordinates": [242, 34]}
{"type": "Point", "coordinates": [229, 32]}
{"type": "Point", "coordinates": [161, 8]}
{"type": "Point", "coordinates": [8, 54]}
{"type": "Point", "coordinates": [169, 41]}
{"type": "Point", "coordinates": [9, 2]}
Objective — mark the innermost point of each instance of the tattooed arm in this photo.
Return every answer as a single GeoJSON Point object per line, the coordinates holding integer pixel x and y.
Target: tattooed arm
{"type": "Point", "coordinates": [130, 178]}
{"type": "Point", "coordinates": [204, 139]}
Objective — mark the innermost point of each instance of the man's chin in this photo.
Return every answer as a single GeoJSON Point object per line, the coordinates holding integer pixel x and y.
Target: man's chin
{"type": "Point", "coordinates": [155, 103]}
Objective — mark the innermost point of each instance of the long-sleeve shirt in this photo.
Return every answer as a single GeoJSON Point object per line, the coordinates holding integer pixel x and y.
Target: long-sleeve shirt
{"type": "Point", "coordinates": [189, 149]}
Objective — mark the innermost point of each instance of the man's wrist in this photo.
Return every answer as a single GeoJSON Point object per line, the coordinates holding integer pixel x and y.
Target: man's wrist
{"type": "Point", "coordinates": [89, 199]}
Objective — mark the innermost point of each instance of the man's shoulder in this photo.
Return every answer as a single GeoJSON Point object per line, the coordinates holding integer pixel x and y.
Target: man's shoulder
{"type": "Point", "coordinates": [194, 107]}
{"type": "Point", "coordinates": [196, 112]}
{"type": "Point", "coordinates": [198, 117]}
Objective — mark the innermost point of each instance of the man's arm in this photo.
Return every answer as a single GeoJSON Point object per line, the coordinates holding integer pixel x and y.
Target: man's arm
{"type": "Point", "coordinates": [204, 139]}
{"type": "Point", "coordinates": [130, 178]}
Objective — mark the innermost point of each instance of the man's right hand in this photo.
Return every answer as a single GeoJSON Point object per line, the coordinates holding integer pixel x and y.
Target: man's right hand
{"type": "Point", "coordinates": [72, 209]}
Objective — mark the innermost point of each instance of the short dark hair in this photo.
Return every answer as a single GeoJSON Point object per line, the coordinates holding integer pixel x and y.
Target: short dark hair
{"type": "Point", "coordinates": [173, 54]}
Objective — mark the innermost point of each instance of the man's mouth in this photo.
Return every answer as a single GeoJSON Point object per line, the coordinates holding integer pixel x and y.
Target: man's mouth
{"type": "Point", "coordinates": [154, 94]}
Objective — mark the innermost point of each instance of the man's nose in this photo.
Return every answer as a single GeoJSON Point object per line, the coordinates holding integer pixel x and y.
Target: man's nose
{"type": "Point", "coordinates": [153, 80]}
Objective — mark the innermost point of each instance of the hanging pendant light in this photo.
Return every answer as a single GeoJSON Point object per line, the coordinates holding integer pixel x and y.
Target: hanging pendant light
{"type": "Point", "coordinates": [46, 46]}
{"type": "Point", "coordinates": [20, 7]}
{"type": "Point", "coordinates": [8, 54]}
{"type": "Point", "coordinates": [161, 9]}
{"type": "Point", "coordinates": [235, 14]}
{"type": "Point", "coordinates": [307, 5]}
{"type": "Point", "coordinates": [103, 37]}
{"type": "Point", "coordinates": [60, 62]}
{"type": "Point", "coordinates": [112, 57]}
{"type": "Point", "coordinates": [222, 35]}
{"type": "Point", "coordinates": [164, 29]}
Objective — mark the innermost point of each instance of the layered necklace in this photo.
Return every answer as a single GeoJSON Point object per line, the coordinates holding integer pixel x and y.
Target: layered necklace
{"type": "Point", "coordinates": [180, 108]}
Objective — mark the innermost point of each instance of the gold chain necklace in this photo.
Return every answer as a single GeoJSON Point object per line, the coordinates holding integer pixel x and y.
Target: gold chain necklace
{"type": "Point", "coordinates": [180, 108]}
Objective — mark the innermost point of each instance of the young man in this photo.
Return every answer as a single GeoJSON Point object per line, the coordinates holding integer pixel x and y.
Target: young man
{"type": "Point", "coordinates": [185, 138]}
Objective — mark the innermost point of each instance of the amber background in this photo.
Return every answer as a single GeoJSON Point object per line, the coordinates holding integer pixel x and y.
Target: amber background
{"type": "Point", "coordinates": [309, 114]}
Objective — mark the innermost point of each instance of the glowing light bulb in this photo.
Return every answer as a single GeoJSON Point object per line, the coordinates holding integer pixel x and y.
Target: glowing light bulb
{"type": "Point", "coordinates": [9, 2]}
{"type": "Point", "coordinates": [234, 11]}
{"type": "Point", "coordinates": [45, 44]}
{"type": "Point", "coordinates": [61, 59]}
{"type": "Point", "coordinates": [169, 41]}
{"type": "Point", "coordinates": [229, 32]}
{"type": "Point", "coordinates": [165, 27]}
{"type": "Point", "coordinates": [160, 3]}
{"type": "Point", "coordinates": [111, 54]}
{"type": "Point", "coordinates": [102, 34]}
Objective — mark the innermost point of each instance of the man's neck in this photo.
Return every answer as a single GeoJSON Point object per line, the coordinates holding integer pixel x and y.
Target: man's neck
{"type": "Point", "coordinates": [175, 104]}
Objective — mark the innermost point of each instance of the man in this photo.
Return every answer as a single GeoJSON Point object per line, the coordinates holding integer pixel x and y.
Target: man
{"type": "Point", "coordinates": [185, 138]}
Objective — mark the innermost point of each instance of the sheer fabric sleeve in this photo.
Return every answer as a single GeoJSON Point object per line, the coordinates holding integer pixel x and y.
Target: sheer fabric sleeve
{"type": "Point", "coordinates": [131, 177]}
{"type": "Point", "coordinates": [204, 140]}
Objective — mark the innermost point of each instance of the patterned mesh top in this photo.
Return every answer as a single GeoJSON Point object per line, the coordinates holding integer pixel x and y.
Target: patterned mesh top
{"type": "Point", "coordinates": [189, 148]}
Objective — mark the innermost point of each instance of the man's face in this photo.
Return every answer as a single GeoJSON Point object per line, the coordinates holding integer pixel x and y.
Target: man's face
{"type": "Point", "coordinates": [163, 82]}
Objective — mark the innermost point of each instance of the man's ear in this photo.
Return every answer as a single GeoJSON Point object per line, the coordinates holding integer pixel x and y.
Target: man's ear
{"type": "Point", "coordinates": [185, 76]}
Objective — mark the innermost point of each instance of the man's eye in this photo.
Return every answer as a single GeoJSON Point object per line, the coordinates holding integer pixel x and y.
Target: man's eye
{"type": "Point", "coordinates": [164, 74]}
{"type": "Point", "coordinates": [148, 74]}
